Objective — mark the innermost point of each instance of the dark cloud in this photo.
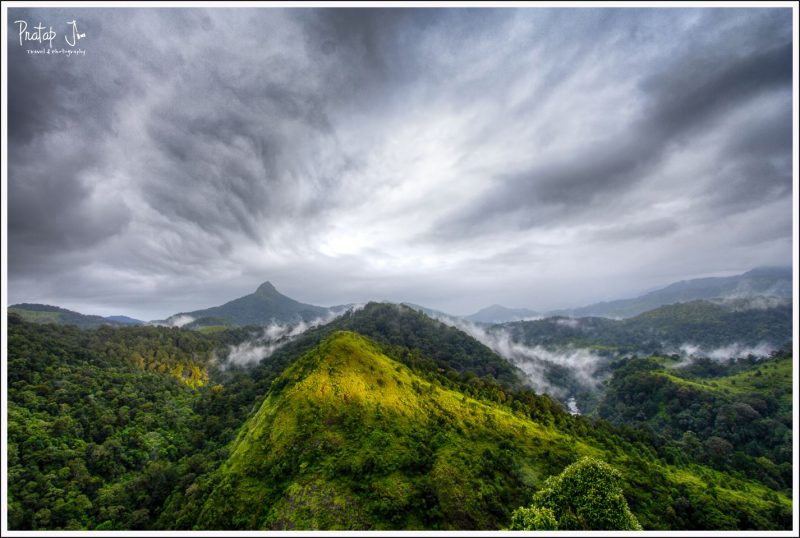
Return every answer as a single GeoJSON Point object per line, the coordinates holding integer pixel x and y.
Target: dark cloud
{"type": "Point", "coordinates": [681, 98]}
{"type": "Point", "coordinates": [689, 101]}
{"type": "Point", "coordinates": [438, 156]}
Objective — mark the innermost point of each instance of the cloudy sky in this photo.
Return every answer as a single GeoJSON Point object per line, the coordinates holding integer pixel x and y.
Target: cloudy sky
{"type": "Point", "coordinates": [454, 158]}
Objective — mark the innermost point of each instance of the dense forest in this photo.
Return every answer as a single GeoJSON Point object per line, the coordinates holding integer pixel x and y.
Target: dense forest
{"type": "Point", "coordinates": [734, 416]}
{"type": "Point", "coordinates": [381, 419]}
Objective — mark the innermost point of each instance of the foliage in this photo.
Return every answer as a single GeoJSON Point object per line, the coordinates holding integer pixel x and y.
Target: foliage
{"type": "Point", "coordinates": [402, 452]}
{"type": "Point", "coordinates": [734, 416]}
{"type": "Point", "coordinates": [585, 496]}
{"type": "Point", "coordinates": [533, 519]}
{"type": "Point", "coordinates": [91, 438]}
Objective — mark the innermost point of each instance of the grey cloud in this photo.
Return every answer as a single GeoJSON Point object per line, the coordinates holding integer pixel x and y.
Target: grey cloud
{"type": "Point", "coordinates": [650, 229]}
{"type": "Point", "coordinates": [448, 157]}
{"type": "Point", "coordinates": [683, 97]}
{"type": "Point", "coordinates": [685, 102]}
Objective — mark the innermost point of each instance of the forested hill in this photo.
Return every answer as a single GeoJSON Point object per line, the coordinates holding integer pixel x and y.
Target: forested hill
{"type": "Point", "coordinates": [350, 438]}
{"type": "Point", "coordinates": [430, 436]}
{"type": "Point", "coordinates": [734, 415]}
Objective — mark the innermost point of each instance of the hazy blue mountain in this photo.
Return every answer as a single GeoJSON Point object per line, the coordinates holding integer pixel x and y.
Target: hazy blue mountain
{"type": "Point", "coordinates": [265, 306]}
{"type": "Point", "coordinates": [761, 282]}
{"type": "Point", "coordinates": [500, 314]}
{"type": "Point", "coordinates": [125, 320]}
{"type": "Point", "coordinates": [42, 313]}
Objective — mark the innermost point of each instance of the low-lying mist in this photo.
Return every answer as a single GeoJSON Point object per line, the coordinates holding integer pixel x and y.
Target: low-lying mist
{"type": "Point", "coordinates": [689, 351]}
{"type": "Point", "coordinates": [558, 372]}
{"type": "Point", "coordinates": [274, 336]}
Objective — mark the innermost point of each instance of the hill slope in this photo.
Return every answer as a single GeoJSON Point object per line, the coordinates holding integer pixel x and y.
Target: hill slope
{"type": "Point", "coordinates": [350, 438]}
{"type": "Point", "coordinates": [42, 313]}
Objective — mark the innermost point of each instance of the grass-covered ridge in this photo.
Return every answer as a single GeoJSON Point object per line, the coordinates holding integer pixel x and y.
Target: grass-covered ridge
{"type": "Point", "coordinates": [349, 438]}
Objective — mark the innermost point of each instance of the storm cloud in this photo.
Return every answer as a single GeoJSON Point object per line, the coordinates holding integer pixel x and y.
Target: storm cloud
{"type": "Point", "coordinates": [455, 158]}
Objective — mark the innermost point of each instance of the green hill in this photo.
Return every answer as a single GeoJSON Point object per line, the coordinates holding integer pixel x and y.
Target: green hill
{"type": "Point", "coordinates": [264, 306]}
{"type": "Point", "coordinates": [42, 313]}
{"type": "Point", "coordinates": [416, 339]}
{"type": "Point", "coordinates": [350, 438]}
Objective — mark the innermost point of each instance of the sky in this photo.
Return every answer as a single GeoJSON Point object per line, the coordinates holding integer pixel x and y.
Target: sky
{"type": "Point", "coordinates": [453, 158]}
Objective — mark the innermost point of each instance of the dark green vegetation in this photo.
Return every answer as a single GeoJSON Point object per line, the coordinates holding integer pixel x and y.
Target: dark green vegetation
{"type": "Point", "coordinates": [260, 308]}
{"type": "Point", "coordinates": [42, 313]}
{"type": "Point", "coordinates": [586, 496]}
{"type": "Point", "coordinates": [764, 281]}
{"type": "Point", "coordinates": [381, 419]}
{"type": "Point", "coordinates": [701, 323]}
{"type": "Point", "coordinates": [735, 416]}
{"type": "Point", "coordinates": [97, 426]}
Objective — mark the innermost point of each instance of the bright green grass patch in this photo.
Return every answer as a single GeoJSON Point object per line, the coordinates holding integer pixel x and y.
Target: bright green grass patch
{"type": "Point", "coordinates": [771, 377]}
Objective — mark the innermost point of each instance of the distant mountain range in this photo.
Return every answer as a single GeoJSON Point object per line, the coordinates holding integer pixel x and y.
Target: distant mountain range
{"type": "Point", "coordinates": [760, 282]}
{"type": "Point", "coordinates": [267, 305]}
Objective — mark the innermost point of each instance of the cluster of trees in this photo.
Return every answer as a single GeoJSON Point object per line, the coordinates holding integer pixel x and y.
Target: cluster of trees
{"type": "Point", "coordinates": [699, 413]}
{"type": "Point", "coordinates": [92, 440]}
{"type": "Point", "coordinates": [587, 495]}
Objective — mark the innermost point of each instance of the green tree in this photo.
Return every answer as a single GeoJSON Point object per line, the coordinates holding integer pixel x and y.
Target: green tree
{"type": "Point", "coordinates": [585, 496]}
{"type": "Point", "coordinates": [533, 519]}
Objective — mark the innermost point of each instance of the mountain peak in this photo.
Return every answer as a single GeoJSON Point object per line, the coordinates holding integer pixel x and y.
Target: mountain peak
{"type": "Point", "coordinates": [266, 289]}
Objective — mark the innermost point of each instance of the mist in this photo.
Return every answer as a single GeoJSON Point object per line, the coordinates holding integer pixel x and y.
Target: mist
{"type": "Point", "coordinates": [274, 336]}
{"type": "Point", "coordinates": [536, 362]}
{"type": "Point", "coordinates": [735, 350]}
